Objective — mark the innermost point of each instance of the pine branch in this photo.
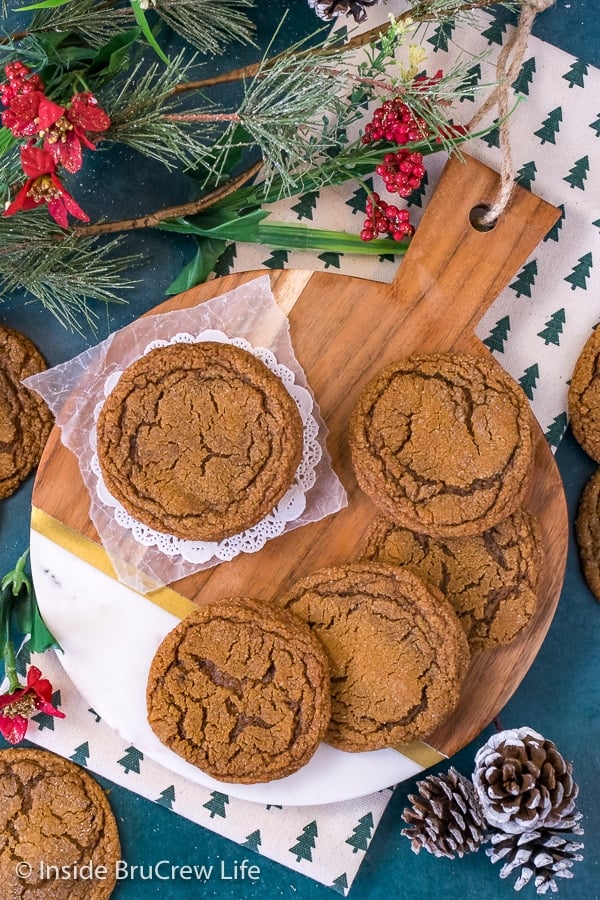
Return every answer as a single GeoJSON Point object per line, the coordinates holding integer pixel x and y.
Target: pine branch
{"type": "Point", "coordinates": [63, 272]}
{"type": "Point", "coordinates": [296, 110]}
{"type": "Point", "coordinates": [169, 212]}
{"type": "Point", "coordinates": [421, 12]}
{"type": "Point", "coordinates": [147, 116]}
{"type": "Point", "coordinates": [95, 22]}
{"type": "Point", "coordinates": [291, 114]}
{"type": "Point", "coordinates": [445, 10]}
{"type": "Point", "coordinates": [209, 25]}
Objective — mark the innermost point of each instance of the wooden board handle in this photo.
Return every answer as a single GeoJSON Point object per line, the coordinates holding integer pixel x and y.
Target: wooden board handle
{"type": "Point", "coordinates": [452, 271]}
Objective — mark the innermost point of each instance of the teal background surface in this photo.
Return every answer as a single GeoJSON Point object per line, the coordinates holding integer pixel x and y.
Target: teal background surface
{"type": "Point", "coordinates": [560, 696]}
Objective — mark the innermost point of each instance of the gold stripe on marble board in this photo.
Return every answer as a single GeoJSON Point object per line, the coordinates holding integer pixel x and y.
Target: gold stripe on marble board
{"type": "Point", "coordinates": [90, 552]}
{"type": "Point", "coordinates": [422, 754]}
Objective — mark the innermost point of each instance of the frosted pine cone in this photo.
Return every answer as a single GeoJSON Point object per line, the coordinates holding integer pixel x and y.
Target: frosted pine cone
{"type": "Point", "coordinates": [445, 818]}
{"type": "Point", "coordinates": [522, 782]}
{"type": "Point", "coordinates": [544, 855]}
{"type": "Point", "coordinates": [329, 9]}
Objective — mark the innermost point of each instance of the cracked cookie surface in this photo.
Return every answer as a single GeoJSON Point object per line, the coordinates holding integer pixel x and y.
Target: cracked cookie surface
{"type": "Point", "coordinates": [52, 813]}
{"type": "Point", "coordinates": [443, 443]}
{"type": "Point", "coordinates": [584, 397]}
{"type": "Point", "coordinates": [200, 441]}
{"type": "Point", "coordinates": [490, 579]}
{"type": "Point", "coordinates": [587, 529]}
{"type": "Point", "coordinates": [240, 689]}
{"type": "Point", "coordinates": [25, 420]}
{"type": "Point", "coordinates": [396, 649]}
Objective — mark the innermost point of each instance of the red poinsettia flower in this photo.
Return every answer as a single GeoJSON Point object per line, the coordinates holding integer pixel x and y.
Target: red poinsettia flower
{"type": "Point", "coordinates": [17, 708]}
{"type": "Point", "coordinates": [65, 129]}
{"type": "Point", "coordinates": [44, 186]}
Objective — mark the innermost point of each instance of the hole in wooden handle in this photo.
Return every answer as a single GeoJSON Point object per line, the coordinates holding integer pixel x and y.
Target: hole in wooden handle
{"type": "Point", "coordinates": [478, 220]}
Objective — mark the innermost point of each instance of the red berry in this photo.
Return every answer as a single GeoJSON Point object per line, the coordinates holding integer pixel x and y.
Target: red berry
{"type": "Point", "coordinates": [385, 218]}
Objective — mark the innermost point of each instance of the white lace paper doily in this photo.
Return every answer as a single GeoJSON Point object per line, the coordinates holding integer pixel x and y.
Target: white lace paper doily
{"type": "Point", "coordinates": [291, 505]}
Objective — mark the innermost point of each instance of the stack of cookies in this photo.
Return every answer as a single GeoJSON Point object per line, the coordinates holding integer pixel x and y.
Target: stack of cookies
{"type": "Point", "coordinates": [584, 416]}
{"type": "Point", "coordinates": [442, 444]}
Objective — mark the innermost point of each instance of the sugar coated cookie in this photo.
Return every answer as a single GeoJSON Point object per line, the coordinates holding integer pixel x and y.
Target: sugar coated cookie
{"type": "Point", "coordinates": [58, 835]}
{"type": "Point", "coordinates": [587, 529]}
{"type": "Point", "coordinates": [396, 649]}
{"type": "Point", "coordinates": [443, 443]}
{"type": "Point", "coordinates": [240, 689]}
{"type": "Point", "coordinates": [490, 579]}
{"type": "Point", "coordinates": [25, 420]}
{"type": "Point", "coordinates": [584, 397]}
{"type": "Point", "coordinates": [199, 441]}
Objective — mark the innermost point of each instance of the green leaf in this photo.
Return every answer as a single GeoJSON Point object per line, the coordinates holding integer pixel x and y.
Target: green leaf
{"type": "Point", "coordinates": [29, 621]}
{"type": "Point", "coordinates": [26, 611]}
{"type": "Point", "coordinates": [113, 56]}
{"type": "Point", "coordinates": [46, 4]}
{"type": "Point", "coordinates": [140, 18]}
{"type": "Point", "coordinates": [7, 141]}
{"type": "Point", "coordinates": [64, 53]}
{"type": "Point", "coordinates": [302, 237]}
{"type": "Point", "coordinates": [17, 579]}
{"type": "Point", "coordinates": [231, 227]}
{"type": "Point", "coordinates": [41, 638]}
{"type": "Point", "coordinates": [197, 271]}
{"type": "Point", "coordinates": [250, 228]}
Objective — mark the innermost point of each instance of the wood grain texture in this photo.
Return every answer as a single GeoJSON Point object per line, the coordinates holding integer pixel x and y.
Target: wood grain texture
{"type": "Point", "coordinates": [344, 330]}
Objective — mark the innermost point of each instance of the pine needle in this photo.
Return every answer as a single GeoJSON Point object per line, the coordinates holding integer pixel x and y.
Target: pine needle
{"type": "Point", "coordinates": [209, 25]}
{"type": "Point", "coordinates": [62, 272]}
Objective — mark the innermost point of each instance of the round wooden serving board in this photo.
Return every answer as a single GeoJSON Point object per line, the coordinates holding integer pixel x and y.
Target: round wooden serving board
{"type": "Point", "coordinates": [344, 330]}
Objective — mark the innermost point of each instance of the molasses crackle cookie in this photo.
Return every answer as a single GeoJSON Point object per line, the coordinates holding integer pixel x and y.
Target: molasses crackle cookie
{"type": "Point", "coordinates": [584, 417]}
{"type": "Point", "coordinates": [200, 441]}
{"type": "Point", "coordinates": [442, 443]}
{"type": "Point", "coordinates": [587, 530]}
{"type": "Point", "coordinates": [240, 689]}
{"type": "Point", "coordinates": [584, 397]}
{"type": "Point", "coordinates": [25, 420]}
{"type": "Point", "coordinates": [54, 820]}
{"type": "Point", "coordinates": [396, 650]}
{"type": "Point", "coordinates": [491, 579]}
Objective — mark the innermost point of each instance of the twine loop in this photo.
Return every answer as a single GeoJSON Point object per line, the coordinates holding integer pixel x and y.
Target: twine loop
{"type": "Point", "coordinates": [508, 67]}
